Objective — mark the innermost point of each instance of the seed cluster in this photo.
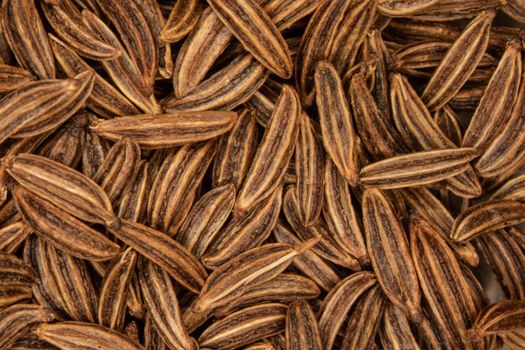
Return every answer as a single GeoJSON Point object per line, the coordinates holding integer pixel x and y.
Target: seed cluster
{"type": "Point", "coordinates": [262, 174]}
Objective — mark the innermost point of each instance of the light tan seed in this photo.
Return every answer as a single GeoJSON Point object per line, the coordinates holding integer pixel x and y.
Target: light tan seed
{"type": "Point", "coordinates": [302, 328]}
{"type": "Point", "coordinates": [388, 249]}
{"type": "Point", "coordinates": [26, 35]}
{"type": "Point", "coordinates": [166, 130]}
{"type": "Point", "coordinates": [245, 326]}
{"type": "Point", "coordinates": [246, 271]}
{"type": "Point", "coordinates": [16, 320]}
{"type": "Point", "coordinates": [113, 292]}
{"type": "Point", "coordinates": [255, 30]}
{"type": "Point", "coordinates": [158, 247]}
{"type": "Point", "coordinates": [247, 232]}
{"type": "Point", "coordinates": [274, 152]}
{"type": "Point", "coordinates": [206, 218]}
{"type": "Point", "coordinates": [88, 336]}
{"type": "Point", "coordinates": [486, 217]}
{"type": "Point", "coordinates": [417, 169]}
{"type": "Point", "coordinates": [338, 303]}
{"type": "Point", "coordinates": [459, 62]}
{"type": "Point", "coordinates": [61, 229]}
{"type": "Point", "coordinates": [162, 304]}
{"type": "Point", "coordinates": [336, 121]}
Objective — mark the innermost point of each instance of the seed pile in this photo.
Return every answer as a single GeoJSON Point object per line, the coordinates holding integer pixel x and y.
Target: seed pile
{"type": "Point", "coordinates": [262, 174]}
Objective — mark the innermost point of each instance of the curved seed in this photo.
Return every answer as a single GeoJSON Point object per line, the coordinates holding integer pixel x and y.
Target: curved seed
{"type": "Point", "coordinates": [27, 37]}
{"type": "Point", "coordinates": [245, 326]}
{"type": "Point", "coordinates": [158, 247]}
{"type": "Point", "coordinates": [134, 199]}
{"type": "Point", "coordinates": [417, 169]}
{"type": "Point", "coordinates": [16, 320]}
{"type": "Point", "coordinates": [175, 187]}
{"type": "Point", "coordinates": [459, 62]}
{"type": "Point", "coordinates": [162, 304]}
{"type": "Point", "coordinates": [513, 189]}
{"type": "Point", "coordinates": [487, 216]}
{"type": "Point", "coordinates": [274, 152]}
{"type": "Point", "coordinates": [336, 121]}
{"type": "Point", "coordinates": [286, 287]}
{"type": "Point", "coordinates": [249, 269]}
{"type": "Point", "coordinates": [61, 229]}
{"type": "Point", "coordinates": [13, 235]}
{"type": "Point", "coordinates": [515, 9]}
{"type": "Point", "coordinates": [388, 249]}
{"type": "Point", "coordinates": [104, 98]}
{"type": "Point", "coordinates": [183, 17]}
{"type": "Point", "coordinates": [88, 336]}
{"type": "Point", "coordinates": [94, 153]}
{"type": "Point", "coordinates": [302, 329]}
{"type": "Point", "coordinates": [338, 303]}
{"type": "Point", "coordinates": [13, 271]}
{"type": "Point", "coordinates": [166, 130]}
{"type": "Point", "coordinates": [255, 30]}
{"type": "Point", "coordinates": [448, 122]}
{"type": "Point", "coordinates": [64, 187]}
{"type": "Point", "coordinates": [113, 292]}
{"type": "Point", "coordinates": [249, 231]}
{"type": "Point", "coordinates": [206, 218]}
{"type": "Point", "coordinates": [71, 30]}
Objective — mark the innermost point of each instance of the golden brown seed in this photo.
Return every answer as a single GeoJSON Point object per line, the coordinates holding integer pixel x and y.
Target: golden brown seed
{"type": "Point", "coordinates": [500, 318]}
{"type": "Point", "coordinates": [183, 17]}
{"type": "Point", "coordinates": [16, 320]}
{"type": "Point", "coordinates": [12, 78]}
{"type": "Point", "coordinates": [401, 8]}
{"type": "Point", "coordinates": [395, 331]}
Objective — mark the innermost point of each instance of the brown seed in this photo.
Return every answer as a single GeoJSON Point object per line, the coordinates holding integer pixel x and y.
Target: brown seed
{"type": "Point", "coordinates": [401, 8]}
{"type": "Point", "coordinates": [16, 320]}
{"type": "Point", "coordinates": [183, 17]}
{"type": "Point", "coordinates": [395, 332]}
{"type": "Point", "coordinates": [302, 328]}
{"type": "Point", "coordinates": [388, 249]}
{"type": "Point", "coordinates": [500, 318]}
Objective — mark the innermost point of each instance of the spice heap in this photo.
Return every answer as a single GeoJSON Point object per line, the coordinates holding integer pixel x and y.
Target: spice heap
{"type": "Point", "coordinates": [262, 174]}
